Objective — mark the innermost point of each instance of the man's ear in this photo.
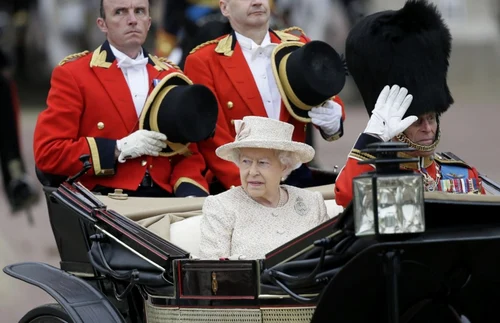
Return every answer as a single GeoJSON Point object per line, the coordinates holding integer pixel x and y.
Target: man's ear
{"type": "Point", "coordinates": [102, 25]}
{"type": "Point", "coordinates": [223, 8]}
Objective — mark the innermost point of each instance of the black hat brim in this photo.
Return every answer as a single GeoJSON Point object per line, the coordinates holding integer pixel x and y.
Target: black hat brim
{"type": "Point", "coordinates": [144, 119]}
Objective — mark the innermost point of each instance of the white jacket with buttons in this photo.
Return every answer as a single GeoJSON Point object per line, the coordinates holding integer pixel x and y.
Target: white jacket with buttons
{"type": "Point", "coordinates": [235, 224]}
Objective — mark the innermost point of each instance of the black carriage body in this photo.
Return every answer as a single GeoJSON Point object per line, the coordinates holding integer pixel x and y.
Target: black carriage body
{"type": "Point", "coordinates": [105, 255]}
{"type": "Point", "coordinates": [110, 247]}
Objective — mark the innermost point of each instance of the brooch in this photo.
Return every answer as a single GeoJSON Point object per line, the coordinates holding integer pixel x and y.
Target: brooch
{"type": "Point", "coordinates": [300, 207]}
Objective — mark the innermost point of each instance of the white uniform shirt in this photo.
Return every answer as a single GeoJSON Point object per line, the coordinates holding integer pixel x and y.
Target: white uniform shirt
{"type": "Point", "coordinates": [135, 75]}
{"type": "Point", "coordinates": [258, 58]}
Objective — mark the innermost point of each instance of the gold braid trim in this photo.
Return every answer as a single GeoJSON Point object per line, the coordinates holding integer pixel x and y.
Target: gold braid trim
{"type": "Point", "coordinates": [293, 28]}
{"type": "Point", "coordinates": [402, 137]}
{"type": "Point", "coordinates": [169, 62]}
{"type": "Point", "coordinates": [213, 41]}
{"type": "Point", "coordinates": [358, 154]}
{"type": "Point", "coordinates": [427, 161]}
{"type": "Point", "coordinates": [72, 57]}
{"type": "Point", "coordinates": [190, 181]}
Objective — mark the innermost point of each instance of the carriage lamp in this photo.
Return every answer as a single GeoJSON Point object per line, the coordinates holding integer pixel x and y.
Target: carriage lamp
{"type": "Point", "coordinates": [388, 200]}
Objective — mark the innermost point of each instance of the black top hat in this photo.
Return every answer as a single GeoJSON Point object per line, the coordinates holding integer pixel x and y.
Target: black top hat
{"type": "Point", "coordinates": [409, 47]}
{"type": "Point", "coordinates": [307, 75]}
{"type": "Point", "coordinates": [183, 111]}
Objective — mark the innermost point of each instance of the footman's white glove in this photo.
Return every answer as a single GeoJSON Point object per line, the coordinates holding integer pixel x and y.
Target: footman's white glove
{"type": "Point", "coordinates": [327, 116]}
{"type": "Point", "coordinates": [141, 142]}
{"type": "Point", "coordinates": [387, 120]}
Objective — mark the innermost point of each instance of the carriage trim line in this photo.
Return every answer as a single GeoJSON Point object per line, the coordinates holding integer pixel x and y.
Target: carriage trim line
{"type": "Point", "coordinates": [307, 249]}
{"type": "Point", "coordinates": [264, 314]}
{"type": "Point", "coordinates": [132, 250]}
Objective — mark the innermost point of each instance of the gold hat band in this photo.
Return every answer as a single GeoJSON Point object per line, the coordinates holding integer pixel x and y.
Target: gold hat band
{"type": "Point", "coordinates": [153, 115]}
{"type": "Point", "coordinates": [288, 89]}
{"type": "Point", "coordinates": [153, 122]}
{"type": "Point", "coordinates": [181, 149]}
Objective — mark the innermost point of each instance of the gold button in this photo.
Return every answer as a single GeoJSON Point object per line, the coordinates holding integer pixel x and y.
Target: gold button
{"type": "Point", "coordinates": [305, 127]}
{"type": "Point", "coordinates": [232, 186]}
{"type": "Point", "coordinates": [143, 163]}
{"type": "Point", "coordinates": [150, 166]}
{"type": "Point", "coordinates": [230, 105]}
{"type": "Point", "coordinates": [100, 125]}
{"type": "Point", "coordinates": [232, 121]}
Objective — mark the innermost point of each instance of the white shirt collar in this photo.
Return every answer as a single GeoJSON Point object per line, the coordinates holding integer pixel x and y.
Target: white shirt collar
{"type": "Point", "coordinates": [248, 43]}
{"type": "Point", "coordinates": [121, 56]}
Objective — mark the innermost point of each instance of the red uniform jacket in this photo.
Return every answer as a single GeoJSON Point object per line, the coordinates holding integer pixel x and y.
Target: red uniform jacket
{"type": "Point", "coordinates": [221, 65]}
{"type": "Point", "coordinates": [89, 107]}
{"type": "Point", "coordinates": [433, 166]}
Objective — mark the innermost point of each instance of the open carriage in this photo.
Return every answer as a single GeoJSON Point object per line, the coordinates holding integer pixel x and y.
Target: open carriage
{"type": "Point", "coordinates": [115, 269]}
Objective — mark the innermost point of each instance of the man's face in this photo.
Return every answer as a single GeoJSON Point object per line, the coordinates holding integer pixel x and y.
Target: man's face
{"type": "Point", "coordinates": [246, 14]}
{"type": "Point", "coordinates": [423, 131]}
{"type": "Point", "coordinates": [126, 24]}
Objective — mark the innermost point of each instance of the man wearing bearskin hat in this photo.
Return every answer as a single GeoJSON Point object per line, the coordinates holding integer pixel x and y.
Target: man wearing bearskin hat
{"type": "Point", "coordinates": [399, 62]}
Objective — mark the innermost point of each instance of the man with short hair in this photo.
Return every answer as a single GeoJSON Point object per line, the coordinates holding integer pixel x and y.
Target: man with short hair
{"type": "Point", "coordinates": [94, 105]}
{"type": "Point", "coordinates": [238, 69]}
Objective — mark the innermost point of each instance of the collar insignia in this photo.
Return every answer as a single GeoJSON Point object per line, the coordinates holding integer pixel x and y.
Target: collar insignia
{"type": "Point", "coordinates": [99, 58]}
{"type": "Point", "coordinates": [225, 46]}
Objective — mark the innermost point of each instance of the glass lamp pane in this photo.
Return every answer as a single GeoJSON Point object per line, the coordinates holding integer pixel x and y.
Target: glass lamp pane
{"type": "Point", "coordinates": [400, 204]}
{"type": "Point", "coordinates": [363, 206]}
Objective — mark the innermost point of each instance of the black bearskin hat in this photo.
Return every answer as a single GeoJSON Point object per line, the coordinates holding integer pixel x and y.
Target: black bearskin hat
{"type": "Point", "coordinates": [409, 47]}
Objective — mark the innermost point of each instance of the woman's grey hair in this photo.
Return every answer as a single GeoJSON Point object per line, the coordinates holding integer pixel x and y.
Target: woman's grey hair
{"type": "Point", "coordinates": [287, 158]}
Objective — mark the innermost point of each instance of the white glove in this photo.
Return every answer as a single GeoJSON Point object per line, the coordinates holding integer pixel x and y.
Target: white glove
{"type": "Point", "coordinates": [237, 257]}
{"type": "Point", "coordinates": [141, 142]}
{"type": "Point", "coordinates": [387, 120]}
{"type": "Point", "coordinates": [327, 116]}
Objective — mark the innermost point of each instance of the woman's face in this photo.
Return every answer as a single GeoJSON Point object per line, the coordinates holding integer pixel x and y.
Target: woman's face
{"type": "Point", "coordinates": [423, 131]}
{"type": "Point", "coordinates": [260, 172]}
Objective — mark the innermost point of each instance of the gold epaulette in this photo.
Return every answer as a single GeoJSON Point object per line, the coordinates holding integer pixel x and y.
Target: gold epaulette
{"type": "Point", "coordinates": [213, 41]}
{"type": "Point", "coordinates": [73, 57]}
{"type": "Point", "coordinates": [359, 155]}
{"type": "Point", "coordinates": [450, 161]}
{"type": "Point", "coordinates": [169, 62]}
{"type": "Point", "coordinates": [291, 30]}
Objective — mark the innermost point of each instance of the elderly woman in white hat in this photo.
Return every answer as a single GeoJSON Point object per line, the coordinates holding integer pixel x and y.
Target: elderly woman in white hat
{"type": "Point", "coordinates": [250, 220]}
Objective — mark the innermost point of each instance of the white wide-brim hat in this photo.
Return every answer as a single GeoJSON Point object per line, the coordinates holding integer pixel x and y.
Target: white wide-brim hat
{"type": "Point", "coordinates": [261, 132]}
